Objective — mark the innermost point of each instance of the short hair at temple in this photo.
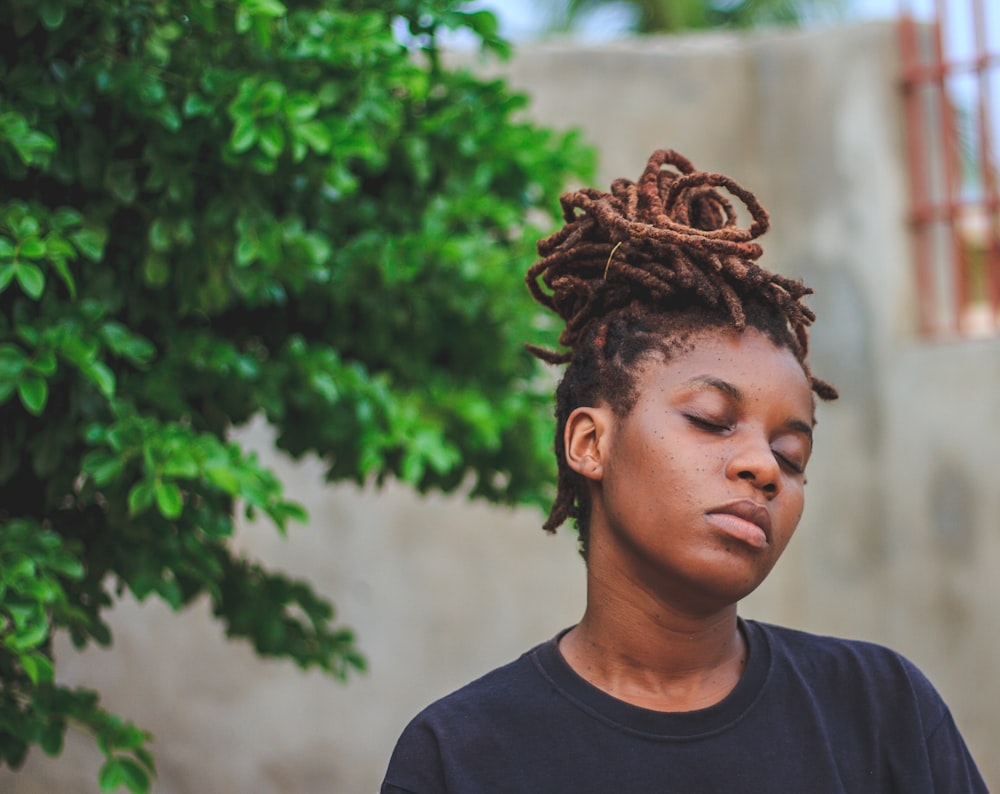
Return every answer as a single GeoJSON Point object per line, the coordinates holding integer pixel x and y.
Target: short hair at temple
{"type": "Point", "coordinates": [640, 269]}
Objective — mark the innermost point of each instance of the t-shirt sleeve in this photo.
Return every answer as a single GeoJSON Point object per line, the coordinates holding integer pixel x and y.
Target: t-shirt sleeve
{"type": "Point", "coordinates": [952, 767]}
{"type": "Point", "coordinates": [415, 766]}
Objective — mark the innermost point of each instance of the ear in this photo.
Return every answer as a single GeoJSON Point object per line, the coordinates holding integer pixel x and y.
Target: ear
{"type": "Point", "coordinates": [586, 440]}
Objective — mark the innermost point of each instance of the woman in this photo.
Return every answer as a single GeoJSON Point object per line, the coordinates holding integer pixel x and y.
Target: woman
{"type": "Point", "coordinates": [684, 427]}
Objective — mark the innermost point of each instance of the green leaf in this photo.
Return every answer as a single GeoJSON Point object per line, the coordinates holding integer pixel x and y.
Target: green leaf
{"type": "Point", "coordinates": [7, 388]}
{"type": "Point", "coordinates": [127, 344]}
{"type": "Point", "coordinates": [485, 23]}
{"type": "Point", "coordinates": [52, 13]}
{"type": "Point", "coordinates": [169, 499]}
{"type": "Point", "coordinates": [120, 180]}
{"type": "Point", "coordinates": [316, 134]}
{"type": "Point", "coordinates": [294, 512]}
{"type": "Point", "coordinates": [31, 279]}
{"type": "Point", "coordinates": [68, 566]}
{"type": "Point", "coordinates": [170, 592]}
{"type": "Point", "coordinates": [12, 362]}
{"type": "Point", "coordinates": [24, 225]}
{"type": "Point", "coordinates": [6, 274]}
{"type": "Point", "coordinates": [326, 385]}
{"type": "Point", "coordinates": [44, 363]}
{"type": "Point", "coordinates": [271, 139]}
{"type": "Point", "coordinates": [103, 378]}
{"type": "Point", "coordinates": [28, 333]}
{"type": "Point", "coordinates": [22, 614]}
{"type": "Point", "coordinates": [112, 775]}
{"type": "Point", "coordinates": [30, 637]}
{"type": "Point", "coordinates": [269, 97]}
{"type": "Point", "coordinates": [244, 135]}
{"type": "Point", "coordinates": [246, 250]}
{"type": "Point", "coordinates": [168, 116]}
{"type": "Point", "coordinates": [243, 20]}
{"type": "Point", "coordinates": [301, 108]}
{"type": "Point", "coordinates": [196, 105]}
{"type": "Point", "coordinates": [64, 217]}
{"type": "Point", "coordinates": [159, 235]}
{"type": "Point", "coordinates": [140, 498]}
{"type": "Point", "coordinates": [136, 778]}
{"type": "Point", "coordinates": [63, 270]}
{"type": "Point", "coordinates": [104, 470]}
{"type": "Point", "coordinates": [156, 270]}
{"type": "Point", "coordinates": [224, 478]}
{"type": "Point", "coordinates": [37, 667]}
{"type": "Point", "coordinates": [34, 393]}
{"type": "Point", "coordinates": [90, 243]}
{"type": "Point", "coordinates": [268, 8]}
{"type": "Point", "coordinates": [32, 248]}
{"type": "Point", "coordinates": [51, 739]}
{"type": "Point", "coordinates": [181, 465]}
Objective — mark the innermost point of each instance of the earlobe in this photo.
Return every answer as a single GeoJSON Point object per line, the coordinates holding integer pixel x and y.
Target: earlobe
{"type": "Point", "coordinates": [585, 429]}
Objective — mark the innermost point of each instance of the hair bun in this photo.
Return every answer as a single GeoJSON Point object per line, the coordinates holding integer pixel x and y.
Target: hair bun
{"type": "Point", "coordinates": [670, 234]}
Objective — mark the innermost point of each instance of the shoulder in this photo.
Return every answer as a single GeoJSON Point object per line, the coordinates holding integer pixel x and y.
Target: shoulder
{"type": "Point", "coordinates": [839, 668]}
{"type": "Point", "coordinates": [873, 699]}
{"type": "Point", "coordinates": [831, 653]}
{"type": "Point", "coordinates": [466, 725]}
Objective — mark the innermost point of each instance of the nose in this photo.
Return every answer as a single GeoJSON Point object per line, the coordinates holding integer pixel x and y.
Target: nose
{"type": "Point", "coordinates": [753, 460]}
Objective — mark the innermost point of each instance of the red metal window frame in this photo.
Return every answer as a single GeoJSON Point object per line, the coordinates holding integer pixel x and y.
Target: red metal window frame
{"type": "Point", "coordinates": [954, 203]}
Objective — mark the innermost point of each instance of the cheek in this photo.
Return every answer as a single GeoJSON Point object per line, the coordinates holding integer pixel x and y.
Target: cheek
{"type": "Point", "coordinates": [793, 507]}
{"type": "Point", "coordinates": [713, 459]}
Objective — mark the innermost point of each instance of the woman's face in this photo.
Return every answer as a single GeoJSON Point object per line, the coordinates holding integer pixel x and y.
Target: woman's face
{"type": "Point", "coordinates": [698, 489]}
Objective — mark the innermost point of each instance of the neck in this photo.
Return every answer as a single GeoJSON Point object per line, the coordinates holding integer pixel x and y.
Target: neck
{"type": "Point", "coordinates": [638, 647]}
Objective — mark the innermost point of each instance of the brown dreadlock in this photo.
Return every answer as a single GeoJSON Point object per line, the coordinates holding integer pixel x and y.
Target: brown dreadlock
{"type": "Point", "coordinates": [641, 268]}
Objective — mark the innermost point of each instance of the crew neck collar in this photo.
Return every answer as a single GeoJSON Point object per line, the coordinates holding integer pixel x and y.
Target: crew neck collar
{"type": "Point", "coordinates": [662, 724]}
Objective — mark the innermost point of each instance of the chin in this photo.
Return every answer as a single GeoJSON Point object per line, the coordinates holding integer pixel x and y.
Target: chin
{"type": "Point", "coordinates": [729, 583]}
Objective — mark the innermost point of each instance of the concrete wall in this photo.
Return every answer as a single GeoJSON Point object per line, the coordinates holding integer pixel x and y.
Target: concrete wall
{"type": "Point", "coordinates": [900, 536]}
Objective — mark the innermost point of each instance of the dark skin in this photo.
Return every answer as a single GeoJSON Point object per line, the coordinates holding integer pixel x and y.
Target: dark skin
{"type": "Point", "coordinates": [694, 495]}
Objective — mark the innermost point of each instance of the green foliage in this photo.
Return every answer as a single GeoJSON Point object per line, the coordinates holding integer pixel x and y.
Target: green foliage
{"type": "Point", "coordinates": [212, 210]}
{"type": "Point", "coordinates": [672, 16]}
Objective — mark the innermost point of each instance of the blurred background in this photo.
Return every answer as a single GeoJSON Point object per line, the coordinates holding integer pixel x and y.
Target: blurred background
{"type": "Point", "coordinates": [869, 130]}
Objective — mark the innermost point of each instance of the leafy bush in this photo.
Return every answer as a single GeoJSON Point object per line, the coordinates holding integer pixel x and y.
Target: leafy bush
{"type": "Point", "coordinates": [212, 210]}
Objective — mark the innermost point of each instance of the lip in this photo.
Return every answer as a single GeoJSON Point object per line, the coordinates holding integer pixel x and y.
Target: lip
{"type": "Point", "coordinates": [745, 520]}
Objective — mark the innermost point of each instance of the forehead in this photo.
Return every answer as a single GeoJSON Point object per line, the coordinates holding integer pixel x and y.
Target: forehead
{"type": "Point", "coordinates": [748, 361]}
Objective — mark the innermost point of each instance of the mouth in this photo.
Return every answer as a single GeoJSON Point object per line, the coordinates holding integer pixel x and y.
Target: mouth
{"type": "Point", "coordinates": [745, 520]}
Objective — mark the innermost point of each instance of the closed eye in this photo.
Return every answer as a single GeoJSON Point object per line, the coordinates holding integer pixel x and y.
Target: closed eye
{"type": "Point", "coordinates": [788, 463]}
{"type": "Point", "coordinates": [706, 424]}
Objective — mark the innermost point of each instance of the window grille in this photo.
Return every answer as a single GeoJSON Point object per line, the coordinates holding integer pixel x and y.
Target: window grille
{"type": "Point", "coordinates": [950, 52]}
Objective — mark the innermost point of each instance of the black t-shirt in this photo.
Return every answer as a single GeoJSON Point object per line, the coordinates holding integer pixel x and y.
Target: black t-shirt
{"type": "Point", "coordinates": [810, 714]}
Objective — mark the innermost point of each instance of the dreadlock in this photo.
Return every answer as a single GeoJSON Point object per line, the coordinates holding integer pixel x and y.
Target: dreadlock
{"type": "Point", "coordinates": [642, 268]}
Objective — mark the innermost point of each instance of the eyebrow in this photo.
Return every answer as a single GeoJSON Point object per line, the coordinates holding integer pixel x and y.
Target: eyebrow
{"type": "Point", "coordinates": [733, 392]}
{"type": "Point", "coordinates": [702, 382]}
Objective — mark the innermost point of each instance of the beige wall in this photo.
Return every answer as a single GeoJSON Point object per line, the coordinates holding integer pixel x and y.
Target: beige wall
{"type": "Point", "coordinates": [901, 536]}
